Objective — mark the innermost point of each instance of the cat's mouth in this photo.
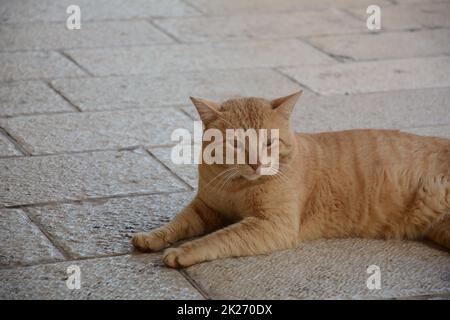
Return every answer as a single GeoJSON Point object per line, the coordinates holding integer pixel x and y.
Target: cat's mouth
{"type": "Point", "coordinates": [252, 177]}
{"type": "Point", "coordinates": [258, 172]}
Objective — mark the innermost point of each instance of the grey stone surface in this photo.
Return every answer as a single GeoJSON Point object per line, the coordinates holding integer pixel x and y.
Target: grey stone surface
{"type": "Point", "coordinates": [435, 131]}
{"type": "Point", "coordinates": [220, 7]}
{"type": "Point", "coordinates": [261, 26]}
{"type": "Point", "coordinates": [40, 98]}
{"type": "Point", "coordinates": [22, 242]}
{"type": "Point", "coordinates": [196, 57]}
{"type": "Point", "coordinates": [45, 36]}
{"type": "Point", "coordinates": [95, 131]}
{"type": "Point", "coordinates": [19, 11]}
{"type": "Point", "coordinates": [386, 45]}
{"type": "Point", "coordinates": [28, 180]}
{"type": "Point", "coordinates": [187, 172]}
{"type": "Point", "coordinates": [7, 148]}
{"type": "Point", "coordinates": [102, 227]}
{"type": "Point", "coordinates": [382, 110]}
{"type": "Point", "coordinates": [32, 65]}
{"type": "Point", "coordinates": [97, 176]}
{"type": "Point", "coordinates": [140, 276]}
{"type": "Point", "coordinates": [373, 76]}
{"type": "Point", "coordinates": [410, 16]}
{"type": "Point", "coordinates": [173, 88]}
{"type": "Point", "coordinates": [329, 269]}
{"type": "Point", "coordinates": [192, 112]}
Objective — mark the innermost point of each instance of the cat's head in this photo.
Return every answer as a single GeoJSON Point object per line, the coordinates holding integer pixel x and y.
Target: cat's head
{"type": "Point", "coordinates": [249, 115]}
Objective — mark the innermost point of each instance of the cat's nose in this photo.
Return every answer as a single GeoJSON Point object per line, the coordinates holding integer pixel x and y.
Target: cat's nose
{"type": "Point", "coordinates": [255, 166]}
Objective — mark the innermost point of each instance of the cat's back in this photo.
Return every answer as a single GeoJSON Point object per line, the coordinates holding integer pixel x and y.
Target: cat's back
{"type": "Point", "coordinates": [366, 147]}
{"type": "Point", "coordinates": [364, 180]}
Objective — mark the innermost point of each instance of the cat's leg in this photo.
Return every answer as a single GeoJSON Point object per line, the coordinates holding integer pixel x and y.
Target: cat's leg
{"type": "Point", "coordinates": [429, 211]}
{"type": "Point", "coordinates": [194, 220]}
{"type": "Point", "coordinates": [440, 229]}
{"type": "Point", "coordinates": [440, 232]}
{"type": "Point", "coordinates": [251, 236]}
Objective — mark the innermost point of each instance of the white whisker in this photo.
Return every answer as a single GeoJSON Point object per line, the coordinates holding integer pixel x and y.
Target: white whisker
{"type": "Point", "coordinates": [217, 176]}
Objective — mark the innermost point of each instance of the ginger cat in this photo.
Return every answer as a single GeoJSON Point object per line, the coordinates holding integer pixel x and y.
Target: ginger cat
{"type": "Point", "coordinates": [359, 183]}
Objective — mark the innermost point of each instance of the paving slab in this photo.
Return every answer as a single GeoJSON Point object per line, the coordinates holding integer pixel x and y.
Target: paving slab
{"type": "Point", "coordinates": [373, 76]}
{"type": "Point", "coordinates": [27, 180]}
{"type": "Point", "coordinates": [27, 97]}
{"type": "Point", "coordinates": [164, 59]}
{"type": "Point", "coordinates": [140, 276]}
{"type": "Point", "coordinates": [329, 269]}
{"type": "Point", "coordinates": [33, 65]}
{"type": "Point", "coordinates": [386, 45]}
{"type": "Point", "coordinates": [49, 134]}
{"type": "Point", "coordinates": [434, 131]}
{"type": "Point", "coordinates": [22, 241]}
{"type": "Point", "coordinates": [382, 110]}
{"type": "Point", "coordinates": [387, 110]}
{"type": "Point", "coordinates": [220, 7]}
{"type": "Point", "coordinates": [187, 172]}
{"type": "Point", "coordinates": [7, 148]}
{"type": "Point", "coordinates": [19, 11]}
{"type": "Point", "coordinates": [55, 36]}
{"type": "Point", "coordinates": [172, 89]}
{"type": "Point", "coordinates": [261, 26]}
{"type": "Point", "coordinates": [410, 16]}
{"type": "Point", "coordinates": [105, 227]}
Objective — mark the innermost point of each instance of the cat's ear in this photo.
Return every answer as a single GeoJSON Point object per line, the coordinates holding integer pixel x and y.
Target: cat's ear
{"type": "Point", "coordinates": [285, 105]}
{"type": "Point", "coordinates": [207, 110]}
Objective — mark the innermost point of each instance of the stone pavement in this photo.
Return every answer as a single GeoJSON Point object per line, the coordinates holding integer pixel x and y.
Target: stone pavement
{"type": "Point", "coordinates": [86, 117]}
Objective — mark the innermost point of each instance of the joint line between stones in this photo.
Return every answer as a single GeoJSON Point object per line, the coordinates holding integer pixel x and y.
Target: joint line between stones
{"type": "Point", "coordinates": [164, 31]}
{"type": "Point", "coordinates": [337, 58]}
{"type": "Point", "coordinates": [49, 237]}
{"type": "Point", "coordinates": [92, 199]}
{"type": "Point", "coordinates": [171, 171]}
{"type": "Point", "coordinates": [16, 144]}
{"type": "Point", "coordinates": [187, 113]}
{"type": "Point", "coordinates": [74, 106]}
{"type": "Point", "coordinates": [294, 80]}
{"type": "Point", "coordinates": [196, 8]}
{"type": "Point", "coordinates": [68, 57]}
{"type": "Point", "coordinates": [194, 284]}
{"type": "Point", "coordinates": [75, 259]}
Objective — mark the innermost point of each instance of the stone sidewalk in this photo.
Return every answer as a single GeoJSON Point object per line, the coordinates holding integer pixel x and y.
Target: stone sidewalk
{"type": "Point", "coordinates": [86, 117]}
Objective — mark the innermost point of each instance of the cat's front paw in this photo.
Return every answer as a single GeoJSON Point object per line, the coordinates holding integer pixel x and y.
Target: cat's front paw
{"type": "Point", "coordinates": [149, 241]}
{"type": "Point", "coordinates": [180, 257]}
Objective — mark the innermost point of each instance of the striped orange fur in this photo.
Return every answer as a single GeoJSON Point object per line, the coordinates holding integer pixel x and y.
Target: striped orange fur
{"type": "Point", "coordinates": [358, 183]}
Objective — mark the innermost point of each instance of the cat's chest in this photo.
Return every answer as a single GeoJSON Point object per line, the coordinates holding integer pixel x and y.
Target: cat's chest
{"type": "Point", "coordinates": [236, 204]}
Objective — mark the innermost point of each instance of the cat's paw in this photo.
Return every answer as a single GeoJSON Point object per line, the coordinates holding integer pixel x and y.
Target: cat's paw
{"type": "Point", "coordinates": [149, 241]}
{"type": "Point", "coordinates": [180, 257]}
